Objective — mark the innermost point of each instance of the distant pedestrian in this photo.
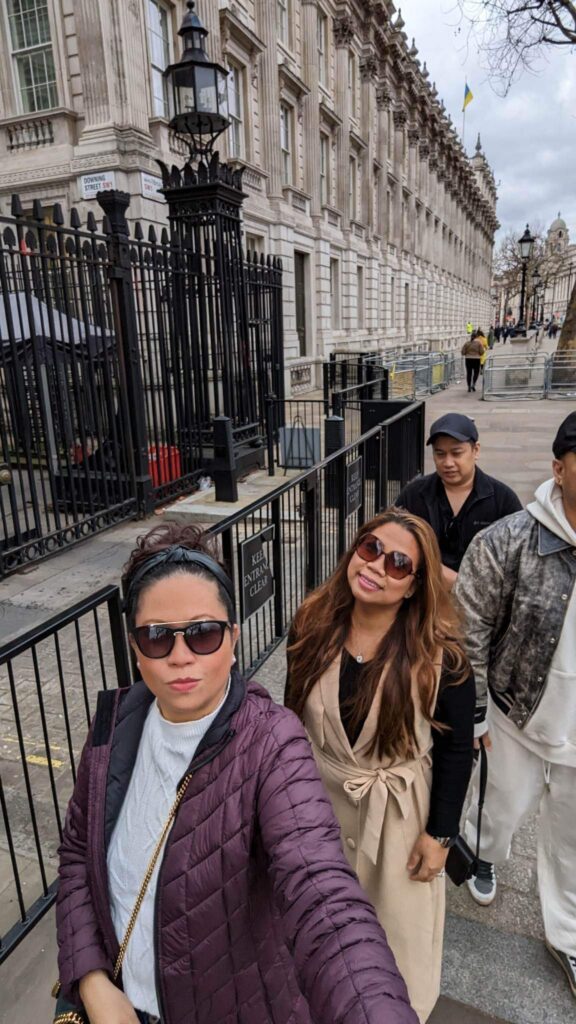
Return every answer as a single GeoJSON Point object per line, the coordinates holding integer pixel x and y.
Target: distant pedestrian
{"type": "Point", "coordinates": [469, 328]}
{"type": "Point", "coordinates": [491, 337]}
{"type": "Point", "coordinates": [498, 332]}
{"type": "Point", "coordinates": [458, 499]}
{"type": "Point", "coordinates": [506, 334]}
{"type": "Point", "coordinates": [252, 912]}
{"type": "Point", "coordinates": [472, 350]}
{"type": "Point", "coordinates": [480, 336]}
{"type": "Point", "coordinates": [517, 589]}
{"type": "Point", "coordinates": [377, 674]}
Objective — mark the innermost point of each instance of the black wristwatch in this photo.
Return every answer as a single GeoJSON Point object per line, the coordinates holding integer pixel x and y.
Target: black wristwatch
{"type": "Point", "coordinates": [445, 841]}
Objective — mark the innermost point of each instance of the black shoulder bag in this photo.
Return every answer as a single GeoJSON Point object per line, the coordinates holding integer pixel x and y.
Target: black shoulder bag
{"type": "Point", "coordinates": [462, 863]}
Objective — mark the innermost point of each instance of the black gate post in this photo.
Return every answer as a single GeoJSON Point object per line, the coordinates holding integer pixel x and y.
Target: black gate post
{"type": "Point", "coordinates": [114, 204]}
{"type": "Point", "coordinates": [205, 210]}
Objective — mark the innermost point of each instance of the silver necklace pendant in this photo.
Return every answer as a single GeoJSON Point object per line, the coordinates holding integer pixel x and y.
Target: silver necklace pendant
{"type": "Point", "coordinates": [359, 659]}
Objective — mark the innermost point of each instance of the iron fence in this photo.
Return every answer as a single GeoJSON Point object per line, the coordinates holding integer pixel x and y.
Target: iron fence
{"type": "Point", "coordinates": [49, 676]}
{"type": "Point", "coordinates": [49, 679]}
{"type": "Point", "coordinates": [561, 377]}
{"type": "Point", "coordinates": [117, 364]}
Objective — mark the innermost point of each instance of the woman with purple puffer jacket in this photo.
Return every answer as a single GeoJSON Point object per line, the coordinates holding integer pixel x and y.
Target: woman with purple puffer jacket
{"type": "Point", "coordinates": [196, 782]}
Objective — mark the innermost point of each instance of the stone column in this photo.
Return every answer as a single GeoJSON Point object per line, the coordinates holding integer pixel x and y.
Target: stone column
{"type": "Point", "coordinates": [310, 106]}
{"type": "Point", "coordinates": [368, 72]}
{"type": "Point", "coordinates": [269, 96]}
{"type": "Point", "coordinates": [399, 126]}
{"type": "Point", "coordinates": [343, 35]}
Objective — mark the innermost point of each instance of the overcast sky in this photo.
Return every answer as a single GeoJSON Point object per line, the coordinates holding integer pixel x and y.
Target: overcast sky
{"type": "Point", "coordinates": [529, 137]}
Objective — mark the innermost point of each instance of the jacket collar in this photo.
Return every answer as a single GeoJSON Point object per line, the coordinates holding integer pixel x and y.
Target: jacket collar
{"type": "Point", "coordinates": [483, 486]}
{"type": "Point", "coordinates": [549, 543]}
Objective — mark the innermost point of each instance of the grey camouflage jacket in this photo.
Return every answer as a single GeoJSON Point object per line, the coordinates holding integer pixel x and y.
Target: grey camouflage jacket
{"type": "Point", "coordinates": [514, 586]}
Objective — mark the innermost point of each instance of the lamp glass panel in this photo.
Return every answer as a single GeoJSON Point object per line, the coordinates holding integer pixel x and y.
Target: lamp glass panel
{"type": "Point", "coordinates": [206, 90]}
{"type": "Point", "coordinates": [222, 85]}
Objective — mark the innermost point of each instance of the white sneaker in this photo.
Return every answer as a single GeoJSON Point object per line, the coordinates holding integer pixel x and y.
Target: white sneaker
{"type": "Point", "coordinates": [482, 886]}
{"type": "Point", "coordinates": [567, 963]}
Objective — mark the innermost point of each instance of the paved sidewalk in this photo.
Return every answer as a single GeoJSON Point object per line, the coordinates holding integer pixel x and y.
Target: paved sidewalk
{"type": "Point", "coordinates": [495, 962]}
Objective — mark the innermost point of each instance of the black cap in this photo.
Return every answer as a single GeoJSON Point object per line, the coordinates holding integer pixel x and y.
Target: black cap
{"type": "Point", "coordinates": [565, 440]}
{"type": "Point", "coordinates": [456, 425]}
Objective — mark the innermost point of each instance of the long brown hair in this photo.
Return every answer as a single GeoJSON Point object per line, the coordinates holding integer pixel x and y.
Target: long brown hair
{"type": "Point", "coordinates": [425, 629]}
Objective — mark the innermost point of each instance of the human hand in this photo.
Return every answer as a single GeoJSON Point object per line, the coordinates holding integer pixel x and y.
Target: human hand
{"type": "Point", "coordinates": [427, 859]}
{"type": "Point", "coordinates": [103, 1002]}
{"type": "Point", "coordinates": [485, 740]}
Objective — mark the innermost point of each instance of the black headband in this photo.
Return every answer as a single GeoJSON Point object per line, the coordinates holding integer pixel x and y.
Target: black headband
{"type": "Point", "coordinates": [177, 554]}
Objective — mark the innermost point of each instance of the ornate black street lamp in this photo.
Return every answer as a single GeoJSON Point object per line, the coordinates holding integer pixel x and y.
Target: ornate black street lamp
{"type": "Point", "coordinates": [198, 89]}
{"type": "Point", "coordinates": [526, 245]}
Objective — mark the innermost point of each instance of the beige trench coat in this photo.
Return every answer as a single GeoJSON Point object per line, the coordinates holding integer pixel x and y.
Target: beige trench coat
{"type": "Point", "coordinates": [382, 807]}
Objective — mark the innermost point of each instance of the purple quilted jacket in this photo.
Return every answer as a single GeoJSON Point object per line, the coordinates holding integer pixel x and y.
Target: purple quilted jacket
{"type": "Point", "coordinates": [259, 918]}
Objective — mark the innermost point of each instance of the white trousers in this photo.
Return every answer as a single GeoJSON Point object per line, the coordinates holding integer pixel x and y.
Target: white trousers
{"type": "Point", "coordinates": [520, 784]}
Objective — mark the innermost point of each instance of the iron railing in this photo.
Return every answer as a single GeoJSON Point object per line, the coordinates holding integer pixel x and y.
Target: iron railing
{"type": "Point", "coordinates": [304, 526]}
{"type": "Point", "coordinates": [115, 367]}
{"type": "Point", "coordinates": [49, 676]}
{"type": "Point", "coordinates": [49, 679]}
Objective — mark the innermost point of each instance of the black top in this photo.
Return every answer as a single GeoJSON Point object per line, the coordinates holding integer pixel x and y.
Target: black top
{"type": "Point", "coordinates": [488, 501]}
{"type": "Point", "coordinates": [452, 749]}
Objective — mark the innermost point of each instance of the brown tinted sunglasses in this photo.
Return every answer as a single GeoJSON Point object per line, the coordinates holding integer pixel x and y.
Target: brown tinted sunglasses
{"type": "Point", "coordinates": [396, 564]}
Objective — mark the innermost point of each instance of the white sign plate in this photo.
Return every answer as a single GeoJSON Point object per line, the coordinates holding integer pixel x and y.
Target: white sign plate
{"type": "Point", "coordinates": [101, 181]}
{"type": "Point", "coordinates": [150, 187]}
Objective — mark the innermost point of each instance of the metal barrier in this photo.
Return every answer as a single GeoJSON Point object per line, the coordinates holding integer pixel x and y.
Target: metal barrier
{"type": "Point", "coordinates": [276, 550]}
{"type": "Point", "coordinates": [529, 375]}
{"type": "Point", "coordinates": [299, 531]}
{"type": "Point", "coordinates": [49, 678]}
{"type": "Point", "coordinates": [295, 432]}
{"type": "Point", "coordinates": [561, 380]}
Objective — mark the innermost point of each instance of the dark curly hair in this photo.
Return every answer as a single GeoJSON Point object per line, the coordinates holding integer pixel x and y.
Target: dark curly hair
{"type": "Point", "coordinates": [158, 539]}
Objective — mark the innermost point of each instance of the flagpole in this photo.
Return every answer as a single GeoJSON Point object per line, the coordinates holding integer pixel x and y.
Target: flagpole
{"type": "Point", "coordinates": [463, 125]}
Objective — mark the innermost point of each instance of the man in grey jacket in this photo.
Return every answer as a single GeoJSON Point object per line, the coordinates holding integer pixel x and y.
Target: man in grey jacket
{"type": "Point", "coordinates": [516, 586]}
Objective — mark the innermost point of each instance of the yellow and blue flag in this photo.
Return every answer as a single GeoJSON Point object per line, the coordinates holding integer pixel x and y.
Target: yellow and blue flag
{"type": "Point", "coordinates": [468, 96]}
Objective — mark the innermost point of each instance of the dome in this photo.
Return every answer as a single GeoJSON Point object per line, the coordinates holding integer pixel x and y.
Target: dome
{"type": "Point", "coordinates": [558, 225]}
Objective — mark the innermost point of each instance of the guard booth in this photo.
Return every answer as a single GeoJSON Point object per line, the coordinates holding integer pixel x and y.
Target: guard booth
{"type": "Point", "coordinates": [400, 457]}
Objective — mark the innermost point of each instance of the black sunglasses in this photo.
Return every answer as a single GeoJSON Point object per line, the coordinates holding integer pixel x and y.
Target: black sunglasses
{"type": "Point", "coordinates": [396, 564]}
{"type": "Point", "coordinates": [157, 641]}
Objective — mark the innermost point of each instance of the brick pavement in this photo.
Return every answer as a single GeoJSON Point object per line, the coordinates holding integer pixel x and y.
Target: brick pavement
{"type": "Point", "coordinates": [494, 955]}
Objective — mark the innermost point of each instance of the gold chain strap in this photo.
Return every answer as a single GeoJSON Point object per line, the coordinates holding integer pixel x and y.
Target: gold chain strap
{"type": "Point", "coordinates": [72, 1017]}
{"type": "Point", "coordinates": [148, 876]}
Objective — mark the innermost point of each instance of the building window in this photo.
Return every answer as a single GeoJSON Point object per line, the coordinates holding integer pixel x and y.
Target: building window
{"type": "Point", "coordinates": [286, 143]}
{"type": "Point", "coordinates": [159, 43]}
{"type": "Point", "coordinates": [235, 112]}
{"type": "Point", "coordinates": [352, 188]}
{"type": "Point", "coordinates": [324, 170]}
{"type": "Point", "coordinates": [322, 37]}
{"type": "Point", "coordinates": [360, 295]}
{"type": "Point", "coordinates": [335, 293]}
{"type": "Point", "coordinates": [352, 83]}
{"type": "Point", "coordinates": [392, 302]}
{"type": "Point", "coordinates": [32, 54]}
{"type": "Point", "coordinates": [283, 21]}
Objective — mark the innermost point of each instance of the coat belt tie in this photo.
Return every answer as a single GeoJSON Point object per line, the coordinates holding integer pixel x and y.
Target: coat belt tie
{"type": "Point", "coordinates": [378, 784]}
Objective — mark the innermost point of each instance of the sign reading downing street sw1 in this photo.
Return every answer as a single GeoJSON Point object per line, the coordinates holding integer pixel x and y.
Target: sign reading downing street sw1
{"type": "Point", "coordinates": [353, 486]}
{"type": "Point", "coordinates": [257, 579]}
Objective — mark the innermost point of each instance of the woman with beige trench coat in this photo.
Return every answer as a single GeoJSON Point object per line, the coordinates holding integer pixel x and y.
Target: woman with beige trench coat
{"type": "Point", "coordinates": [380, 680]}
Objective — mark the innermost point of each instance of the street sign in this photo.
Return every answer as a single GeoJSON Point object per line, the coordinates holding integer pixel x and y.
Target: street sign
{"type": "Point", "coordinates": [91, 184]}
{"type": "Point", "coordinates": [151, 184]}
{"type": "Point", "coordinates": [353, 486]}
{"type": "Point", "coordinates": [256, 576]}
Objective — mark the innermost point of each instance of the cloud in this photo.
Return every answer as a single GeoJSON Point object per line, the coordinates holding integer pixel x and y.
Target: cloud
{"type": "Point", "coordinates": [529, 136]}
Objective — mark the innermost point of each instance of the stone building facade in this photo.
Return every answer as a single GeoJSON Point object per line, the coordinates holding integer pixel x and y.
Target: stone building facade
{"type": "Point", "coordinates": [354, 174]}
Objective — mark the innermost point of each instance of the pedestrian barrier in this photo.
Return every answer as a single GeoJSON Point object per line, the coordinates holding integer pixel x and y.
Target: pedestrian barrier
{"type": "Point", "coordinates": [49, 679]}
{"type": "Point", "coordinates": [276, 550]}
{"type": "Point", "coordinates": [529, 375]}
{"type": "Point", "coordinates": [561, 381]}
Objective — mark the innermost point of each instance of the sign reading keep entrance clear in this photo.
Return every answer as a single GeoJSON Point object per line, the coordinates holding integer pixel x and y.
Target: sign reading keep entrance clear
{"type": "Point", "coordinates": [353, 486]}
{"type": "Point", "coordinates": [257, 579]}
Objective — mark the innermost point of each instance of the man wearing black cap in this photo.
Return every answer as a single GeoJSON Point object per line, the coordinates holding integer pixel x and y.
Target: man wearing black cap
{"type": "Point", "coordinates": [517, 588]}
{"type": "Point", "coordinates": [458, 500]}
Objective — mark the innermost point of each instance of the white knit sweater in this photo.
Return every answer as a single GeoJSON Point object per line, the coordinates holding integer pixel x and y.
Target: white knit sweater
{"type": "Point", "coordinates": [164, 754]}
